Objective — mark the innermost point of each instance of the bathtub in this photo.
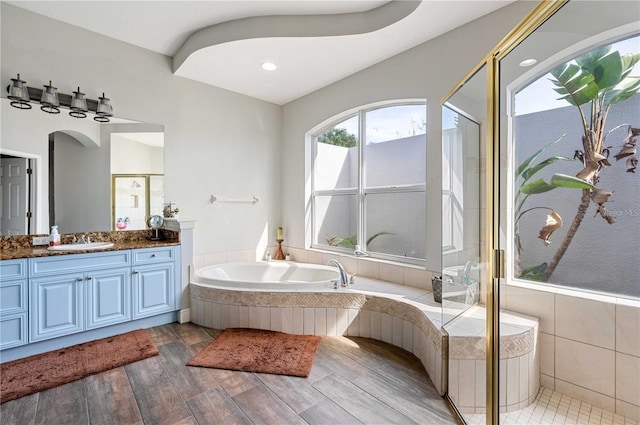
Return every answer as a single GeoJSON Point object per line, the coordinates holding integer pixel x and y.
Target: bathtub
{"type": "Point", "coordinates": [271, 276]}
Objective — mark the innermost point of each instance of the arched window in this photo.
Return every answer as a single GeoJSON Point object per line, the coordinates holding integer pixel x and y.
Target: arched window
{"type": "Point", "coordinates": [368, 182]}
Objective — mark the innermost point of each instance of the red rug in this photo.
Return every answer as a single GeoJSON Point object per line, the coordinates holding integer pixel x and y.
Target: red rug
{"type": "Point", "coordinates": [256, 350]}
{"type": "Point", "coordinates": [47, 370]}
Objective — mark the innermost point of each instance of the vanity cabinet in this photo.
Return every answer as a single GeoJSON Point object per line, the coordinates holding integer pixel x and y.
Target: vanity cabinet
{"type": "Point", "coordinates": [13, 303]}
{"type": "Point", "coordinates": [153, 271]}
{"type": "Point", "coordinates": [75, 293]}
{"type": "Point", "coordinates": [54, 301]}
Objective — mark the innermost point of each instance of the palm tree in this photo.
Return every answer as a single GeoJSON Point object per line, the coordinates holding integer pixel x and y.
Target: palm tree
{"type": "Point", "coordinates": [595, 82]}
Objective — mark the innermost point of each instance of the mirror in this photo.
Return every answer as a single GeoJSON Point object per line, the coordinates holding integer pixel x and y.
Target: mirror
{"type": "Point", "coordinates": [72, 162]}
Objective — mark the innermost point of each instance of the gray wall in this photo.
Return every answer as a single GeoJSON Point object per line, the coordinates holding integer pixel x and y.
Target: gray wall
{"type": "Point", "coordinates": [216, 142]}
{"type": "Point", "coordinates": [601, 256]}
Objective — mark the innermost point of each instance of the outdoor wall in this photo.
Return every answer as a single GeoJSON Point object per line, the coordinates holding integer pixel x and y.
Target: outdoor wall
{"type": "Point", "coordinates": [602, 256]}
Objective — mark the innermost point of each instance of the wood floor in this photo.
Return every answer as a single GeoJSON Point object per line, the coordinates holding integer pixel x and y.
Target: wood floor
{"type": "Point", "coordinates": [352, 381]}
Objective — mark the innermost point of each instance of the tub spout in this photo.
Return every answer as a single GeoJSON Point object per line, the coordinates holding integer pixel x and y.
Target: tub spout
{"type": "Point", "coordinates": [344, 279]}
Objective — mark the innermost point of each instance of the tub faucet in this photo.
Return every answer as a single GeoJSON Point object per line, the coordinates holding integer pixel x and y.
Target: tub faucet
{"type": "Point", "coordinates": [344, 279]}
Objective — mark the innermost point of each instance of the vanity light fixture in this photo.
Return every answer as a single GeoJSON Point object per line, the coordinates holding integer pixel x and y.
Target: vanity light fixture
{"type": "Point", "coordinates": [103, 110]}
{"type": "Point", "coordinates": [19, 94]}
{"type": "Point", "coordinates": [78, 105]}
{"type": "Point", "coordinates": [21, 97]}
{"type": "Point", "coordinates": [49, 99]}
{"type": "Point", "coordinates": [269, 66]}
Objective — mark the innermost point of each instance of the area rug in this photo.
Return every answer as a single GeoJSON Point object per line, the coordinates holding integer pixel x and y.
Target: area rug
{"type": "Point", "coordinates": [256, 350]}
{"type": "Point", "coordinates": [47, 370]}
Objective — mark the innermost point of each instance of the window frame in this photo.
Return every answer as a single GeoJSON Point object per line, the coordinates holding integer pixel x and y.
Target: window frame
{"type": "Point", "coordinates": [361, 191]}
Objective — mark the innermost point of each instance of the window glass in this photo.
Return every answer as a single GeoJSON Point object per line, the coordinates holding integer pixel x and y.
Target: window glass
{"type": "Point", "coordinates": [336, 221]}
{"type": "Point", "coordinates": [336, 156]}
{"type": "Point", "coordinates": [369, 187]}
{"type": "Point", "coordinates": [396, 224]}
{"type": "Point", "coordinates": [395, 150]}
{"type": "Point", "coordinates": [576, 191]}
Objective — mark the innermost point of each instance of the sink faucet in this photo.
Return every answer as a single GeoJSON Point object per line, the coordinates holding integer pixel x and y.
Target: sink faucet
{"type": "Point", "coordinates": [344, 279]}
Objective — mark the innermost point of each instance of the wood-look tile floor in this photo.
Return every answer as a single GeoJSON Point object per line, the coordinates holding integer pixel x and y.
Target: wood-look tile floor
{"type": "Point", "coordinates": [352, 381]}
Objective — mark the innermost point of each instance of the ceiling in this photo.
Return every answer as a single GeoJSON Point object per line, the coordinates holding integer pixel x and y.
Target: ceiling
{"type": "Point", "coordinates": [224, 42]}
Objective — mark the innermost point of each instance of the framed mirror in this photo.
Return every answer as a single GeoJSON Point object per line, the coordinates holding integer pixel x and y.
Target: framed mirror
{"type": "Point", "coordinates": [72, 162]}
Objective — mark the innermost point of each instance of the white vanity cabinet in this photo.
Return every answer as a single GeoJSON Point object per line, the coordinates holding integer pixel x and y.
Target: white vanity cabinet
{"type": "Point", "coordinates": [154, 281]}
{"type": "Point", "coordinates": [55, 301]}
{"type": "Point", "coordinates": [74, 293]}
{"type": "Point", "coordinates": [13, 303]}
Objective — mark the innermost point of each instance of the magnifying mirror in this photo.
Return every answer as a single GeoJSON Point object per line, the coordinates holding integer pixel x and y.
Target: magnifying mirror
{"type": "Point", "coordinates": [155, 222]}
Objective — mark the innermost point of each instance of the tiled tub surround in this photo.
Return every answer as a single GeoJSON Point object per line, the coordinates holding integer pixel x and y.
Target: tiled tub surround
{"type": "Point", "coordinates": [589, 344]}
{"type": "Point", "coordinates": [519, 361]}
{"type": "Point", "coordinates": [401, 315]}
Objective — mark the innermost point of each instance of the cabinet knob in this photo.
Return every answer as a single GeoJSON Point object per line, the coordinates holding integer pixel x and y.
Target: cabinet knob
{"type": "Point", "coordinates": [79, 279]}
{"type": "Point", "coordinates": [89, 277]}
{"type": "Point", "coordinates": [136, 272]}
{"type": "Point", "coordinates": [153, 255]}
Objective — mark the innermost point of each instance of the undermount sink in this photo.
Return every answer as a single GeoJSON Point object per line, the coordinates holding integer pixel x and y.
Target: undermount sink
{"type": "Point", "coordinates": [81, 246]}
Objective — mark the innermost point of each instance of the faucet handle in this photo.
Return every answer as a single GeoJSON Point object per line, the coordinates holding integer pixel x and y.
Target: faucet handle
{"type": "Point", "coordinates": [352, 279]}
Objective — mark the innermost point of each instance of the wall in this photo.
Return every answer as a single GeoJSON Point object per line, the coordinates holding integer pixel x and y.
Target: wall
{"type": "Point", "coordinates": [427, 71]}
{"type": "Point", "coordinates": [216, 141]}
{"type": "Point", "coordinates": [589, 344]}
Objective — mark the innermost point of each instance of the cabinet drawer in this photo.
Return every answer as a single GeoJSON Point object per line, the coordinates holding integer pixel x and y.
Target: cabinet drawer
{"type": "Point", "coordinates": [153, 255]}
{"type": "Point", "coordinates": [13, 269]}
{"type": "Point", "coordinates": [13, 297]}
{"type": "Point", "coordinates": [13, 331]}
{"type": "Point", "coordinates": [79, 262]}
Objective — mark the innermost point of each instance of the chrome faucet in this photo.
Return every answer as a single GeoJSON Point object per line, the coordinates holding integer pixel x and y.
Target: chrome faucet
{"type": "Point", "coordinates": [344, 279]}
{"type": "Point", "coordinates": [83, 239]}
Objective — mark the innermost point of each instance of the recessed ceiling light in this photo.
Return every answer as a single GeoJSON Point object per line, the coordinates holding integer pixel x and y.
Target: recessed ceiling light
{"type": "Point", "coordinates": [268, 66]}
{"type": "Point", "coordinates": [528, 62]}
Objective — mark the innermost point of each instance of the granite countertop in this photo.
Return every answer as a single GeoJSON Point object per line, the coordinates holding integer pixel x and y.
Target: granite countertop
{"type": "Point", "coordinates": [15, 247]}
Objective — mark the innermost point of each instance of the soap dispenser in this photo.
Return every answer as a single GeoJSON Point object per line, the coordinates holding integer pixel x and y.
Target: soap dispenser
{"type": "Point", "coordinates": [54, 236]}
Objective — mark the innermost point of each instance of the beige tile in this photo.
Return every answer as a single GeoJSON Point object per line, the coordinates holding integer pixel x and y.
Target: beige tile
{"type": "Point", "coordinates": [585, 365]}
{"type": "Point", "coordinates": [547, 381]}
{"type": "Point", "coordinates": [297, 320]}
{"type": "Point", "coordinates": [309, 321]}
{"type": "Point", "coordinates": [320, 321]}
{"type": "Point", "coordinates": [287, 319]}
{"type": "Point", "coordinates": [216, 258]}
{"type": "Point", "coordinates": [547, 354]}
{"type": "Point", "coordinates": [350, 264]}
{"type": "Point", "coordinates": [369, 268]}
{"type": "Point", "coordinates": [585, 396]}
{"type": "Point", "coordinates": [453, 381]}
{"type": "Point", "coordinates": [417, 278]}
{"type": "Point", "coordinates": [331, 321]}
{"type": "Point", "coordinates": [628, 378]}
{"type": "Point", "coordinates": [314, 257]}
{"type": "Point", "coordinates": [631, 411]}
{"type": "Point", "coordinates": [391, 273]}
{"type": "Point", "coordinates": [237, 256]}
{"type": "Point", "coordinates": [299, 255]}
{"type": "Point", "coordinates": [480, 384]}
{"type": "Point", "coordinates": [628, 329]}
{"type": "Point", "coordinates": [466, 382]}
{"type": "Point", "coordinates": [586, 320]}
{"type": "Point", "coordinates": [534, 303]}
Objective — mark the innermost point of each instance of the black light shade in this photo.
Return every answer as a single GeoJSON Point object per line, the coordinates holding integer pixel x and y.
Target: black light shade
{"type": "Point", "coordinates": [78, 105]}
{"type": "Point", "coordinates": [19, 94]}
{"type": "Point", "coordinates": [103, 110]}
{"type": "Point", "coordinates": [49, 100]}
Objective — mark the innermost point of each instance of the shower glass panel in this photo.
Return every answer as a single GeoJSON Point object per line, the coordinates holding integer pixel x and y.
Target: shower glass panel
{"type": "Point", "coordinates": [463, 312]}
{"type": "Point", "coordinates": [568, 218]}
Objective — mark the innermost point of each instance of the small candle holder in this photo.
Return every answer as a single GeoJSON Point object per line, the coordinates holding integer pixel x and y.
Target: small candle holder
{"type": "Point", "coordinates": [279, 254]}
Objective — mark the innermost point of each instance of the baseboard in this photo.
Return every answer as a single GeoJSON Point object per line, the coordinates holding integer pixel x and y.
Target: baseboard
{"type": "Point", "coordinates": [185, 315]}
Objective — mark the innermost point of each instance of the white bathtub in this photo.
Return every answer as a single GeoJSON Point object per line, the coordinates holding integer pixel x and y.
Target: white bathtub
{"type": "Point", "coordinates": [272, 276]}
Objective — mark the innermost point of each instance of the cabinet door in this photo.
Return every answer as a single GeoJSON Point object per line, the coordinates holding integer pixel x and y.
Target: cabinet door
{"type": "Point", "coordinates": [153, 289]}
{"type": "Point", "coordinates": [108, 297]}
{"type": "Point", "coordinates": [56, 305]}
